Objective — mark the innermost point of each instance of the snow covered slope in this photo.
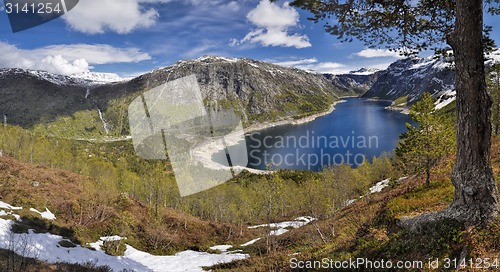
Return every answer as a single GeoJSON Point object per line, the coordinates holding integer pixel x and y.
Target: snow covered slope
{"type": "Point", "coordinates": [88, 79]}
{"type": "Point", "coordinates": [47, 247]}
{"type": "Point", "coordinates": [99, 77]}
{"type": "Point", "coordinates": [413, 76]}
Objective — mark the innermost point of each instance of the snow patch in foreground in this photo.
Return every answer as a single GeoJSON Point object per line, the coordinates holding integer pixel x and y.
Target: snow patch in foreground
{"type": "Point", "coordinates": [45, 247]}
{"type": "Point", "coordinates": [46, 214]}
{"type": "Point", "coordinates": [183, 261]}
{"type": "Point", "coordinates": [379, 186]}
{"type": "Point", "coordinates": [4, 205]}
{"type": "Point", "coordinates": [281, 228]}
{"type": "Point", "coordinates": [222, 248]}
{"type": "Point", "coordinates": [250, 242]}
{"type": "Point", "coordinates": [383, 184]}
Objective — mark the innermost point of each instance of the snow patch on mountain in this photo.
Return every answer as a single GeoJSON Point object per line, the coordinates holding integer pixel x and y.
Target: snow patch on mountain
{"type": "Point", "coordinates": [413, 76]}
{"type": "Point", "coordinates": [99, 77]}
{"type": "Point", "coordinates": [82, 80]}
{"type": "Point", "coordinates": [364, 71]}
{"type": "Point", "coordinates": [445, 98]}
{"type": "Point", "coordinates": [216, 58]}
{"type": "Point", "coordinates": [493, 57]}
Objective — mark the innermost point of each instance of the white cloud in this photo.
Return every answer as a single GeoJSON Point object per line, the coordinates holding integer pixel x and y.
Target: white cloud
{"type": "Point", "coordinates": [202, 48]}
{"type": "Point", "coordinates": [293, 63]}
{"type": "Point", "coordinates": [312, 64]}
{"type": "Point", "coordinates": [232, 6]}
{"type": "Point", "coordinates": [377, 53]}
{"type": "Point", "coordinates": [155, 1]}
{"type": "Point", "coordinates": [94, 53]}
{"type": "Point", "coordinates": [327, 67]}
{"type": "Point", "coordinates": [273, 23]}
{"type": "Point", "coordinates": [124, 16]}
{"type": "Point", "coordinates": [59, 65]}
{"type": "Point", "coordinates": [66, 59]}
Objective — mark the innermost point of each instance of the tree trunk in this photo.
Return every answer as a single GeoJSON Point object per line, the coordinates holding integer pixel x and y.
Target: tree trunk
{"type": "Point", "coordinates": [476, 194]}
{"type": "Point", "coordinates": [428, 175]}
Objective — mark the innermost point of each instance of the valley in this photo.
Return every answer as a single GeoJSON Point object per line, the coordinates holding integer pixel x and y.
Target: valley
{"type": "Point", "coordinates": [66, 149]}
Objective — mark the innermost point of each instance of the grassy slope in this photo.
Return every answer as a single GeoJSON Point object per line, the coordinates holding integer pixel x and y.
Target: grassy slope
{"type": "Point", "coordinates": [86, 212]}
{"type": "Point", "coordinates": [368, 228]}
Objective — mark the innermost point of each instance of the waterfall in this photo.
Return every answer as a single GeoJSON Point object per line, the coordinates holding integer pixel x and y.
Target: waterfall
{"type": "Point", "coordinates": [103, 122]}
{"type": "Point", "coordinates": [87, 94]}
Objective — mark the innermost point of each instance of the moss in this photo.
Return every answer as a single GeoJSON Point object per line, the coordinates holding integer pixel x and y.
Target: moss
{"type": "Point", "coordinates": [421, 199]}
{"type": "Point", "coordinates": [436, 240]}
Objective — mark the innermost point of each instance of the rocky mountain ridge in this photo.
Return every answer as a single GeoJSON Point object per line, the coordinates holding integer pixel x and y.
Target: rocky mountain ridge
{"type": "Point", "coordinates": [257, 91]}
{"type": "Point", "coordinates": [413, 76]}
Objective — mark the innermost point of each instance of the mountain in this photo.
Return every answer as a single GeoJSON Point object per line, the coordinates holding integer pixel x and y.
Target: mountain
{"type": "Point", "coordinates": [413, 76]}
{"type": "Point", "coordinates": [86, 105]}
{"type": "Point", "coordinates": [99, 77]}
{"type": "Point", "coordinates": [356, 82]}
{"type": "Point", "coordinates": [30, 97]}
{"type": "Point", "coordinates": [259, 91]}
{"type": "Point", "coordinates": [92, 104]}
{"type": "Point", "coordinates": [365, 71]}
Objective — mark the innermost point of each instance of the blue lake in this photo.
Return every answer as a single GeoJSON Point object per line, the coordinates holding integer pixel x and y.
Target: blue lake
{"type": "Point", "coordinates": [355, 130]}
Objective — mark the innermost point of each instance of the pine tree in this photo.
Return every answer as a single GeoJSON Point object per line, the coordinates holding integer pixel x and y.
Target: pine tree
{"type": "Point", "coordinates": [422, 146]}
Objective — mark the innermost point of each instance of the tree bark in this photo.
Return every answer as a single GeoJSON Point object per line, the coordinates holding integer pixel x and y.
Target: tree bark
{"type": "Point", "coordinates": [476, 194]}
{"type": "Point", "coordinates": [428, 175]}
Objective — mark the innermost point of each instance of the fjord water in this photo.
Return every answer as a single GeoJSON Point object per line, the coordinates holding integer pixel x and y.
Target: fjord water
{"type": "Point", "coordinates": [356, 129]}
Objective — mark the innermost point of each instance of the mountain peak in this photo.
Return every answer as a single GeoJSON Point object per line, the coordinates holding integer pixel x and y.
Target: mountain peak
{"type": "Point", "coordinates": [212, 58]}
{"type": "Point", "coordinates": [99, 77]}
{"type": "Point", "coordinates": [364, 71]}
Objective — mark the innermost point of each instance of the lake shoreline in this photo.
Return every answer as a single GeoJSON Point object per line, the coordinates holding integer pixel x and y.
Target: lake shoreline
{"type": "Point", "coordinates": [288, 121]}
{"type": "Point", "coordinates": [402, 110]}
{"type": "Point", "coordinates": [204, 152]}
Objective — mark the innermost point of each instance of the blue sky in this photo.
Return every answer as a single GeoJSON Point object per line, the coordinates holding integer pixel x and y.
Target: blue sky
{"type": "Point", "coordinates": [130, 37]}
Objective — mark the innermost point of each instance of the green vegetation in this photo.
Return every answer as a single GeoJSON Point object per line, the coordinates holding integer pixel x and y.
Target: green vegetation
{"type": "Point", "coordinates": [460, 25]}
{"type": "Point", "coordinates": [107, 190]}
{"type": "Point", "coordinates": [421, 147]}
{"type": "Point", "coordinates": [114, 192]}
{"type": "Point", "coordinates": [369, 228]}
{"type": "Point", "coordinates": [401, 101]}
{"type": "Point", "coordinates": [295, 104]}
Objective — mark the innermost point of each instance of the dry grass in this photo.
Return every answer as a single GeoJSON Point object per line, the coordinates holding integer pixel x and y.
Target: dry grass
{"type": "Point", "coordinates": [85, 212]}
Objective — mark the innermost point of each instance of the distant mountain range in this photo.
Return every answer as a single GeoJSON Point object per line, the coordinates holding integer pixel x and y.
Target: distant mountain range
{"type": "Point", "coordinates": [91, 104]}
